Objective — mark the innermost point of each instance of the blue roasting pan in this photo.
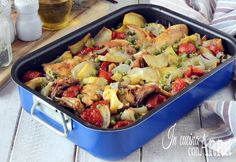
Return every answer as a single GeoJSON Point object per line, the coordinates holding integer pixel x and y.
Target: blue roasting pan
{"type": "Point", "coordinates": [117, 144]}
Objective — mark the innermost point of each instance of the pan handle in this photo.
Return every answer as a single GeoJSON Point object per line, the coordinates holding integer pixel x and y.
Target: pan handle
{"type": "Point", "coordinates": [63, 121]}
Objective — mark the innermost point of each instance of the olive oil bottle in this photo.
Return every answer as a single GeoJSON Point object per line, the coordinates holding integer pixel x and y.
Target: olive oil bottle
{"type": "Point", "coordinates": [54, 14]}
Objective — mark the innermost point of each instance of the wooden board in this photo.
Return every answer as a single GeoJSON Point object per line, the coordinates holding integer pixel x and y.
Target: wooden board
{"type": "Point", "coordinates": [20, 48]}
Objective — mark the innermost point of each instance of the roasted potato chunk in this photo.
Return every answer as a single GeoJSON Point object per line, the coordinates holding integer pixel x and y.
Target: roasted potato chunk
{"type": "Point", "coordinates": [75, 48]}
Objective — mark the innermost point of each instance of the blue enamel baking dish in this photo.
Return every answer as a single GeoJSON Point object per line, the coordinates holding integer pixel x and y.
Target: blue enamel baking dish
{"type": "Point", "coordinates": [116, 144]}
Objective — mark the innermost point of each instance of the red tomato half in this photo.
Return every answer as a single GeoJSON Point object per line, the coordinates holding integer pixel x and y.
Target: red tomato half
{"type": "Point", "coordinates": [86, 50]}
{"type": "Point", "coordinates": [29, 75]}
{"type": "Point", "coordinates": [103, 73]}
{"type": "Point", "coordinates": [178, 85]}
{"type": "Point", "coordinates": [214, 49]}
{"type": "Point", "coordinates": [72, 91]}
{"type": "Point", "coordinates": [187, 48]}
{"type": "Point", "coordinates": [155, 100]}
{"type": "Point", "coordinates": [92, 116]}
{"type": "Point", "coordinates": [193, 71]}
{"type": "Point", "coordinates": [118, 35]}
{"type": "Point", "coordinates": [104, 65]}
{"type": "Point", "coordinates": [122, 123]}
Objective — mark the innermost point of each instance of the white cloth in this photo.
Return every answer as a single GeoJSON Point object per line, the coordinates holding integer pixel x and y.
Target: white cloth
{"type": "Point", "coordinates": [220, 14]}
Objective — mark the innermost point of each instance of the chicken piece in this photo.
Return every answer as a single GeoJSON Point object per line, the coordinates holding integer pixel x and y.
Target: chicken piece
{"type": "Point", "coordinates": [130, 50]}
{"type": "Point", "coordinates": [61, 69]}
{"type": "Point", "coordinates": [60, 85]}
{"type": "Point", "coordinates": [73, 103]}
{"type": "Point", "coordinates": [141, 92]}
{"type": "Point", "coordinates": [139, 62]}
{"type": "Point", "coordinates": [140, 35]}
{"type": "Point", "coordinates": [91, 93]}
{"type": "Point", "coordinates": [115, 43]}
{"type": "Point", "coordinates": [126, 97]}
{"type": "Point", "coordinates": [111, 67]}
{"type": "Point", "coordinates": [170, 36]}
{"type": "Point", "coordinates": [119, 43]}
{"type": "Point", "coordinates": [139, 59]}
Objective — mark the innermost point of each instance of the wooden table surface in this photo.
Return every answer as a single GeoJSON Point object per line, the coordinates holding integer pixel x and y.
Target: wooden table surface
{"type": "Point", "coordinates": [24, 140]}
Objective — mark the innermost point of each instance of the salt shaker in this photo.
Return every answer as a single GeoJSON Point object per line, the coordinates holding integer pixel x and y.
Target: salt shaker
{"type": "Point", "coordinates": [28, 23]}
{"type": "Point", "coordinates": [6, 10]}
{"type": "Point", "coordinates": [5, 42]}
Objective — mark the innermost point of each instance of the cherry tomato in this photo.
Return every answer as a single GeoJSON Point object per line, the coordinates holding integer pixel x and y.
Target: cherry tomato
{"type": "Point", "coordinates": [118, 35]}
{"type": "Point", "coordinates": [178, 85]}
{"type": "Point", "coordinates": [154, 100]}
{"type": "Point", "coordinates": [187, 48]}
{"type": "Point", "coordinates": [193, 71]}
{"type": "Point", "coordinates": [104, 65]}
{"type": "Point", "coordinates": [29, 75]}
{"type": "Point", "coordinates": [103, 71]}
{"type": "Point", "coordinates": [106, 75]}
{"type": "Point", "coordinates": [92, 116]}
{"type": "Point", "coordinates": [86, 50]}
{"type": "Point", "coordinates": [197, 71]}
{"type": "Point", "coordinates": [214, 49]}
{"type": "Point", "coordinates": [102, 102]}
{"type": "Point", "coordinates": [122, 123]}
{"type": "Point", "coordinates": [72, 91]}
{"type": "Point", "coordinates": [188, 73]}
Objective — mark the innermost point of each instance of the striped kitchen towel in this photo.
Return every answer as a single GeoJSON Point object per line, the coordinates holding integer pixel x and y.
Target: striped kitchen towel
{"type": "Point", "coordinates": [220, 14]}
{"type": "Point", "coordinates": [221, 137]}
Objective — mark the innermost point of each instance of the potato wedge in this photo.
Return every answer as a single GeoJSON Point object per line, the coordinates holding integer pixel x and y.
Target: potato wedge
{"type": "Point", "coordinates": [172, 70]}
{"type": "Point", "coordinates": [83, 70]}
{"type": "Point", "coordinates": [158, 61]}
{"type": "Point", "coordinates": [95, 80]}
{"type": "Point", "coordinates": [36, 82]}
{"type": "Point", "coordinates": [104, 35]}
{"type": "Point", "coordinates": [132, 18]}
{"type": "Point", "coordinates": [170, 36]}
{"type": "Point", "coordinates": [121, 29]}
{"type": "Point", "coordinates": [78, 46]}
{"type": "Point", "coordinates": [194, 38]}
{"type": "Point", "coordinates": [172, 57]}
{"type": "Point", "coordinates": [65, 56]}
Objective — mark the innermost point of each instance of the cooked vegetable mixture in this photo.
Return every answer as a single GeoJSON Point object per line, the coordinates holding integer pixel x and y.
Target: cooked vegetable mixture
{"type": "Point", "coordinates": [114, 79]}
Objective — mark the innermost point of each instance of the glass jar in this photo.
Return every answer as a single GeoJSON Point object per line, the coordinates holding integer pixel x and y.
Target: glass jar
{"type": "Point", "coordinates": [5, 41]}
{"type": "Point", "coordinates": [54, 14]}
